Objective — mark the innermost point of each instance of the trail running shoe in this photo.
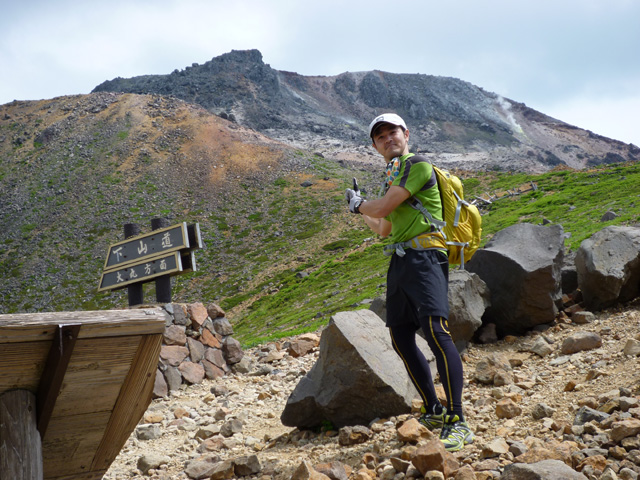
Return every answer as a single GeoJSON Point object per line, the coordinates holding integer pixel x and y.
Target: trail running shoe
{"type": "Point", "coordinates": [455, 433]}
{"type": "Point", "coordinates": [432, 421]}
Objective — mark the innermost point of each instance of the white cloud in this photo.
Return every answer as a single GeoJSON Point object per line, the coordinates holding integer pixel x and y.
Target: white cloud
{"type": "Point", "coordinates": [616, 118]}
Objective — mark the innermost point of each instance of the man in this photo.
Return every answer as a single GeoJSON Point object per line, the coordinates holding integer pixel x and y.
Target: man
{"type": "Point", "coordinates": [417, 279]}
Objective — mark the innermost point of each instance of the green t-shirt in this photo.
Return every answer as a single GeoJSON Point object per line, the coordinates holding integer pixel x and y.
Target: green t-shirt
{"type": "Point", "coordinates": [414, 173]}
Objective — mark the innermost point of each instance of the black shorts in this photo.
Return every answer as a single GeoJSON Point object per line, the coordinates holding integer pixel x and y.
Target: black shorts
{"type": "Point", "coordinates": [417, 287]}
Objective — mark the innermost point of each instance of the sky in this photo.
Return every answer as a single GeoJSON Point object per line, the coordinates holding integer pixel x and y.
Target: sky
{"type": "Point", "coordinates": [575, 60]}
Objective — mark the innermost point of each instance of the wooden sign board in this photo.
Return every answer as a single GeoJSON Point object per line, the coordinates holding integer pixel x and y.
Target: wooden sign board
{"type": "Point", "coordinates": [149, 268]}
{"type": "Point", "coordinates": [142, 247]}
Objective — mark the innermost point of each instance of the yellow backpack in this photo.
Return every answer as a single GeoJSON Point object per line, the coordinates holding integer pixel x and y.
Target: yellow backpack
{"type": "Point", "coordinates": [462, 225]}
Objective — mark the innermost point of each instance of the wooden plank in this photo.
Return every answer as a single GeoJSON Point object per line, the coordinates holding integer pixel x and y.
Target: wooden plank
{"type": "Point", "coordinates": [71, 443]}
{"type": "Point", "coordinates": [54, 372]}
{"type": "Point", "coordinates": [133, 401]}
{"type": "Point", "coordinates": [21, 365]}
{"type": "Point", "coordinates": [99, 366]}
{"type": "Point", "coordinates": [29, 327]}
{"type": "Point", "coordinates": [20, 445]}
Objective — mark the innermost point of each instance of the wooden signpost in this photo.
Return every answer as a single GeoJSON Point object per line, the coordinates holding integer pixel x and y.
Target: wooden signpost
{"type": "Point", "coordinates": [164, 252]}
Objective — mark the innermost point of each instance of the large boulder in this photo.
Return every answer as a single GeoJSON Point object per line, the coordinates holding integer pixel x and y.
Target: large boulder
{"type": "Point", "coordinates": [358, 376]}
{"type": "Point", "coordinates": [608, 265]}
{"type": "Point", "coordinates": [522, 267]}
{"type": "Point", "coordinates": [469, 297]}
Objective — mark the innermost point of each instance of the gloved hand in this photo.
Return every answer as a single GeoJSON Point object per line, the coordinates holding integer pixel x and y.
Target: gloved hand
{"type": "Point", "coordinates": [354, 200]}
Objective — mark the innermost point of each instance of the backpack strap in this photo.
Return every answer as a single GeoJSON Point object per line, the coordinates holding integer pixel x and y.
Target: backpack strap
{"type": "Point", "coordinates": [416, 204]}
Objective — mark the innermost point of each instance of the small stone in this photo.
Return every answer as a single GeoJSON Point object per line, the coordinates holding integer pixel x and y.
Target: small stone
{"type": "Point", "coordinates": [628, 427]}
{"type": "Point", "coordinates": [353, 435]}
{"type": "Point", "coordinates": [148, 432]}
{"type": "Point", "coordinates": [151, 460]}
{"type": "Point", "coordinates": [495, 448]}
{"type": "Point", "coordinates": [541, 347]}
{"type": "Point", "coordinates": [246, 466]}
{"type": "Point", "coordinates": [542, 410]}
{"type": "Point", "coordinates": [231, 427]}
{"type": "Point", "coordinates": [632, 348]}
{"type": "Point", "coordinates": [583, 317]}
{"type": "Point", "coordinates": [215, 311]}
{"type": "Point", "coordinates": [198, 314]}
{"type": "Point", "coordinates": [175, 335]}
{"type": "Point", "coordinates": [413, 431]}
{"type": "Point", "coordinates": [507, 408]}
{"type": "Point", "coordinates": [581, 341]}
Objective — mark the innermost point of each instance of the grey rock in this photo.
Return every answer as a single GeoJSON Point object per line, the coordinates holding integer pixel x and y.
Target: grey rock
{"type": "Point", "coordinates": [541, 347]}
{"type": "Point", "coordinates": [542, 410]}
{"type": "Point", "coordinates": [544, 470]}
{"type": "Point", "coordinates": [379, 307]}
{"type": "Point", "coordinates": [608, 216]}
{"type": "Point", "coordinates": [632, 347]}
{"type": "Point", "coordinates": [232, 350]}
{"type": "Point", "coordinates": [148, 431]}
{"type": "Point", "coordinates": [358, 376]}
{"type": "Point", "coordinates": [469, 297]}
{"type": "Point", "coordinates": [245, 466]}
{"type": "Point", "coordinates": [580, 341]}
{"type": "Point", "coordinates": [160, 387]}
{"type": "Point", "coordinates": [231, 427]}
{"type": "Point", "coordinates": [173, 377]}
{"type": "Point", "coordinates": [521, 266]}
{"type": "Point", "coordinates": [151, 460]}
{"type": "Point", "coordinates": [243, 366]}
{"type": "Point", "coordinates": [518, 448]}
{"type": "Point", "coordinates": [201, 469]}
{"type": "Point", "coordinates": [608, 265]}
{"type": "Point", "coordinates": [586, 414]}
{"type": "Point", "coordinates": [222, 326]}
{"type": "Point", "coordinates": [196, 349]}
{"type": "Point", "coordinates": [582, 318]}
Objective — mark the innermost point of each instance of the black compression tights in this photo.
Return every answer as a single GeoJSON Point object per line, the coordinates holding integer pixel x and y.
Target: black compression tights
{"type": "Point", "coordinates": [448, 361]}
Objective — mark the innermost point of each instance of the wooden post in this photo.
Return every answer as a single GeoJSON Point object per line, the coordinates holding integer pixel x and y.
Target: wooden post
{"type": "Point", "coordinates": [54, 371]}
{"type": "Point", "coordinates": [163, 283]}
{"type": "Point", "coordinates": [20, 443]}
{"type": "Point", "coordinates": [135, 292]}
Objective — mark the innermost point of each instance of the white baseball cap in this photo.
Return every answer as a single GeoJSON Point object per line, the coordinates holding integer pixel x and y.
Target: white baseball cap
{"type": "Point", "coordinates": [391, 118]}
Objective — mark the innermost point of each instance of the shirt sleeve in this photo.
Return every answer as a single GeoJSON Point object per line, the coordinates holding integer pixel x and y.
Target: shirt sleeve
{"type": "Point", "coordinates": [413, 175]}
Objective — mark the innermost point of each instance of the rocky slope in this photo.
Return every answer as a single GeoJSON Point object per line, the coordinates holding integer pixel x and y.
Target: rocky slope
{"type": "Point", "coordinates": [536, 406]}
{"type": "Point", "coordinates": [458, 123]}
{"type": "Point", "coordinates": [74, 170]}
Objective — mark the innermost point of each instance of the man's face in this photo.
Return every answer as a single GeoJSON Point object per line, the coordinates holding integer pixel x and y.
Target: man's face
{"type": "Point", "coordinates": [391, 141]}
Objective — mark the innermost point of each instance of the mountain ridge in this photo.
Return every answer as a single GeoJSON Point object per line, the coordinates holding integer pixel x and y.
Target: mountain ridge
{"type": "Point", "coordinates": [458, 124]}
